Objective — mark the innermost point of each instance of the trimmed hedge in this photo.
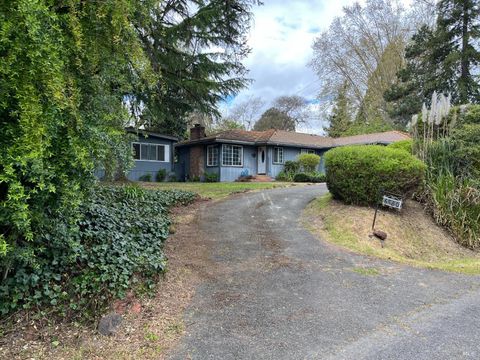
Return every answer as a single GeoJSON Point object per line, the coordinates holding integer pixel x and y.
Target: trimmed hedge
{"type": "Point", "coordinates": [309, 177]}
{"type": "Point", "coordinates": [358, 174]}
{"type": "Point", "coordinates": [118, 241]}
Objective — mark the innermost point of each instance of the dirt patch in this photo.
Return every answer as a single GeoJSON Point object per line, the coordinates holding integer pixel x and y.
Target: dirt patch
{"type": "Point", "coordinates": [151, 325]}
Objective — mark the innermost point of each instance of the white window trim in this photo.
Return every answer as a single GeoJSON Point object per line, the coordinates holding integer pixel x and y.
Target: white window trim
{"type": "Point", "coordinates": [165, 147]}
{"type": "Point", "coordinates": [273, 156]}
{"type": "Point", "coordinates": [218, 154]}
{"type": "Point", "coordinates": [307, 151]}
{"type": "Point", "coordinates": [241, 155]}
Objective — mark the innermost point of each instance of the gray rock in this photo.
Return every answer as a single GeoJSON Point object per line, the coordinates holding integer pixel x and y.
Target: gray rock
{"type": "Point", "coordinates": [108, 325]}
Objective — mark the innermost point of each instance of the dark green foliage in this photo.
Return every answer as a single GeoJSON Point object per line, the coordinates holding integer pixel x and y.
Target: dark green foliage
{"type": "Point", "coordinates": [284, 176]}
{"type": "Point", "coordinates": [161, 175]}
{"type": "Point", "coordinates": [458, 31]}
{"type": "Point", "coordinates": [452, 183]}
{"type": "Point", "coordinates": [313, 177]}
{"type": "Point", "coordinates": [211, 177]}
{"type": "Point", "coordinates": [417, 80]}
{"type": "Point", "coordinates": [119, 236]}
{"type": "Point", "coordinates": [145, 177]}
{"type": "Point", "coordinates": [186, 42]}
{"type": "Point", "coordinates": [445, 60]}
{"type": "Point", "coordinates": [301, 177]}
{"type": "Point", "coordinates": [291, 166]}
{"type": "Point", "coordinates": [63, 78]}
{"type": "Point", "coordinates": [341, 117]}
{"type": "Point", "coordinates": [274, 119]}
{"type": "Point", "coordinates": [405, 145]}
{"type": "Point", "coordinates": [358, 174]}
{"type": "Point", "coordinates": [308, 162]}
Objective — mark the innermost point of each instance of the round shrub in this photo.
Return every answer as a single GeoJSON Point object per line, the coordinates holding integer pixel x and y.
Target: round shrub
{"type": "Point", "coordinates": [405, 145]}
{"type": "Point", "coordinates": [308, 162]}
{"type": "Point", "coordinates": [359, 174]}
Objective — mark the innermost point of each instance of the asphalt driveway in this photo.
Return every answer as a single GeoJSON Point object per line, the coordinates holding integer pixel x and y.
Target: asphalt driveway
{"type": "Point", "coordinates": [280, 293]}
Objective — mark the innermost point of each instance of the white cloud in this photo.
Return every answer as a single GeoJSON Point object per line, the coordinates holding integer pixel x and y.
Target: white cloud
{"type": "Point", "coordinates": [281, 38]}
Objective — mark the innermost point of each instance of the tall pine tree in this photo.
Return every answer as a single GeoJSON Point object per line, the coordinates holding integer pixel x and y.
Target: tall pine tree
{"type": "Point", "coordinates": [458, 27]}
{"type": "Point", "coordinates": [341, 116]}
{"type": "Point", "coordinates": [196, 46]}
{"type": "Point", "coordinates": [445, 59]}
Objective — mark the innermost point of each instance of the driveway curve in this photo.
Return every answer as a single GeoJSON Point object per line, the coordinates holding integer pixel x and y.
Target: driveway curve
{"type": "Point", "coordinates": [278, 292]}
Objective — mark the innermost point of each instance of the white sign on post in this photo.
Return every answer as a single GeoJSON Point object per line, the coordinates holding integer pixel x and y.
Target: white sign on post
{"type": "Point", "coordinates": [392, 202]}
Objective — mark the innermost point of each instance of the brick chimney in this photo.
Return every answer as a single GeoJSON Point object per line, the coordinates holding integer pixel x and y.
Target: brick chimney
{"type": "Point", "coordinates": [197, 132]}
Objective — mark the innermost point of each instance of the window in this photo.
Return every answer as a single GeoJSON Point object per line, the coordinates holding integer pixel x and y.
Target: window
{"type": "Point", "coordinates": [150, 152]}
{"type": "Point", "coordinates": [307, 151]}
{"type": "Point", "coordinates": [232, 155]}
{"type": "Point", "coordinates": [136, 151]}
{"type": "Point", "coordinates": [278, 155]}
{"type": "Point", "coordinates": [212, 155]}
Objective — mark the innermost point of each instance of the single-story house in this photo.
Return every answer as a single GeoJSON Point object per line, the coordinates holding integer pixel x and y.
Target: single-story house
{"type": "Point", "coordinates": [235, 153]}
{"type": "Point", "coordinates": [152, 152]}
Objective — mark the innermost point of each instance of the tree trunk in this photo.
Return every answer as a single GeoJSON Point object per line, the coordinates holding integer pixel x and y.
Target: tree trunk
{"type": "Point", "coordinates": [465, 71]}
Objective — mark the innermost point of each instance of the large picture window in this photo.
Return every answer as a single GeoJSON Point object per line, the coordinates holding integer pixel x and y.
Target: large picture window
{"type": "Point", "coordinates": [278, 155]}
{"type": "Point", "coordinates": [212, 155]}
{"type": "Point", "coordinates": [232, 155]}
{"type": "Point", "coordinates": [150, 152]}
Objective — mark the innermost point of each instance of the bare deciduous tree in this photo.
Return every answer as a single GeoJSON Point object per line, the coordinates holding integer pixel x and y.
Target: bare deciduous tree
{"type": "Point", "coordinates": [294, 106]}
{"type": "Point", "coordinates": [247, 112]}
{"type": "Point", "coordinates": [352, 48]}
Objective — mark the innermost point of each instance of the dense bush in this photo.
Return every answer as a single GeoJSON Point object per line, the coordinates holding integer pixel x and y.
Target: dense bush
{"type": "Point", "coordinates": [452, 182]}
{"type": "Point", "coordinates": [358, 174]}
{"type": "Point", "coordinates": [145, 177]}
{"type": "Point", "coordinates": [291, 167]}
{"type": "Point", "coordinates": [302, 170]}
{"type": "Point", "coordinates": [211, 177]}
{"type": "Point", "coordinates": [65, 70]}
{"type": "Point", "coordinates": [314, 177]}
{"type": "Point", "coordinates": [120, 235]}
{"type": "Point", "coordinates": [405, 145]}
{"type": "Point", "coordinates": [161, 175]}
{"type": "Point", "coordinates": [308, 162]}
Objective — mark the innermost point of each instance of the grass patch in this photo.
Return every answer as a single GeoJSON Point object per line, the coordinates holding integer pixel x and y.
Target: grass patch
{"type": "Point", "coordinates": [218, 190]}
{"type": "Point", "coordinates": [366, 271]}
{"type": "Point", "coordinates": [413, 236]}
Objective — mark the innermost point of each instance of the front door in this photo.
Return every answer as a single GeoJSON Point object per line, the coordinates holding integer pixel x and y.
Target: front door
{"type": "Point", "coordinates": [262, 160]}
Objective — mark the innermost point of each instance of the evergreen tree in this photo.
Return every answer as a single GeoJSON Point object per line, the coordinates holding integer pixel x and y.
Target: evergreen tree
{"type": "Point", "coordinates": [196, 48]}
{"type": "Point", "coordinates": [443, 59]}
{"type": "Point", "coordinates": [458, 27]}
{"type": "Point", "coordinates": [340, 119]}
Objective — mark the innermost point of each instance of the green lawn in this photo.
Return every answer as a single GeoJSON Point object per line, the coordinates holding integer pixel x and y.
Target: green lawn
{"type": "Point", "coordinates": [218, 190]}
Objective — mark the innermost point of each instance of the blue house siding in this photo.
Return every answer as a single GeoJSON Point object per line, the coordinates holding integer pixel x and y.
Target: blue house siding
{"type": "Point", "coordinates": [232, 173]}
{"type": "Point", "coordinates": [290, 154]}
{"type": "Point", "coordinates": [182, 166]}
{"type": "Point", "coordinates": [143, 167]}
{"type": "Point", "coordinates": [250, 162]}
{"type": "Point", "coordinates": [213, 169]}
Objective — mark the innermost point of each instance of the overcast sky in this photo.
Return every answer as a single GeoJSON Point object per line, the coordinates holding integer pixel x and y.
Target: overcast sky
{"type": "Point", "coordinates": [281, 40]}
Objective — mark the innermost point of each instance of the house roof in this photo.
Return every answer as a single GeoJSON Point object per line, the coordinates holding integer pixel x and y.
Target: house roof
{"type": "Point", "coordinates": [386, 137]}
{"type": "Point", "coordinates": [291, 138]}
{"type": "Point", "coordinates": [146, 133]}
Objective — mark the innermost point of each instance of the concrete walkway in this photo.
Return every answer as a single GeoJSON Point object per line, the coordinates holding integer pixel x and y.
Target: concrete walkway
{"type": "Point", "coordinates": [277, 292]}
